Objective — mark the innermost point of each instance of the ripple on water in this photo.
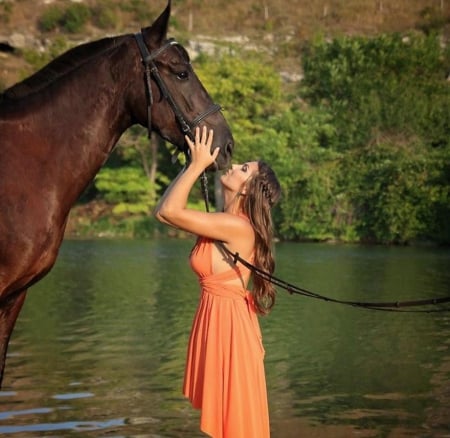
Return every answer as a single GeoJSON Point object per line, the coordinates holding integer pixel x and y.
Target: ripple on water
{"type": "Point", "coordinates": [100, 345]}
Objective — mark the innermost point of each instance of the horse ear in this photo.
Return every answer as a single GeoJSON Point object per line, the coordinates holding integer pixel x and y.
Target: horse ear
{"type": "Point", "coordinates": [157, 32]}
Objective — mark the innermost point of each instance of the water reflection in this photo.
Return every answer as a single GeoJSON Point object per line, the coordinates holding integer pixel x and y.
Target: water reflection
{"type": "Point", "coordinates": [100, 345]}
{"type": "Point", "coordinates": [356, 367]}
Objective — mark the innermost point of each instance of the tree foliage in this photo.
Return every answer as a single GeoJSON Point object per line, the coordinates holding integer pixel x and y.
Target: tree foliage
{"type": "Point", "coordinates": [373, 85]}
{"type": "Point", "coordinates": [361, 149]}
{"type": "Point", "coordinates": [126, 187]}
{"type": "Point", "coordinates": [389, 103]}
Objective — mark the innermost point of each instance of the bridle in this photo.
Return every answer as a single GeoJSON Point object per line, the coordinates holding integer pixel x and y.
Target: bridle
{"type": "Point", "coordinates": [151, 71]}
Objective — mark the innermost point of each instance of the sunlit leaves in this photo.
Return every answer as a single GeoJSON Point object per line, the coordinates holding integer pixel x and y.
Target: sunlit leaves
{"type": "Point", "coordinates": [127, 188]}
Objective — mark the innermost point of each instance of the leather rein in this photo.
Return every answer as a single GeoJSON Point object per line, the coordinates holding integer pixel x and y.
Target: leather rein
{"type": "Point", "coordinates": [393, 306]}
{"type": "Point", "coordinates": [151, 71]}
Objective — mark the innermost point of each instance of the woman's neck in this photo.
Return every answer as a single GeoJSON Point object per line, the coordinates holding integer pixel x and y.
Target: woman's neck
{"type": "Point", "coordinates": [232, 204]}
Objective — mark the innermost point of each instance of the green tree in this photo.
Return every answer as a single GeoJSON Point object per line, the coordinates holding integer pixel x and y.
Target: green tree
{"type": "Point", "coordinates": [308, 169]}
{"type": "Point", "coordinates": [125, 187]}
{"type": "Point", "coordinates": [134, 165]}
{"type": "Point", "coordinates": [389, 103]}
{"type": "Point", "coordinates": [386, 83]}
{"type": "Point", "coordinates": [250, 92]}
{"type": "Point", "coordinates": [393, 193]}
{"type": "Point", "coordinates": [248, 89]}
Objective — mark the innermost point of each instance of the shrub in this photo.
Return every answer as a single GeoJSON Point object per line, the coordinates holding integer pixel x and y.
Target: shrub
{"type": "Point", "coordinates": [72, 19]}
{"type": "Point", "coordinates": [104, 15]}
{"type": "Point", "coordinates": [50, 19]}
{"type": "Point", "coordinates": [75, 17]}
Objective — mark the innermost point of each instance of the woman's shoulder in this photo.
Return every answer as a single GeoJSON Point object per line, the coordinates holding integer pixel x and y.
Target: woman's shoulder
{"type": "Point", "coordinates": [242, 234]}
{"type": "Point", "coordinates": [224, 226]}
{"type": "Point", "coordinates": [238, 222]}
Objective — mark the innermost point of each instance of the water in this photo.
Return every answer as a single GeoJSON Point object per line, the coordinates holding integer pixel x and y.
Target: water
{"type": "Point", "coordinates": [99, 347]}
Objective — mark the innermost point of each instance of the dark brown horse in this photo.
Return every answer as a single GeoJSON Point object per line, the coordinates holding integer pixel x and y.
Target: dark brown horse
{"type": "Point", "coordinates": [58, 127]}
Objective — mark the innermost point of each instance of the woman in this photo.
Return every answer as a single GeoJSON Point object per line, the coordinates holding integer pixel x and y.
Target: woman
{"type": "Point", "coordinates": [224, 374]}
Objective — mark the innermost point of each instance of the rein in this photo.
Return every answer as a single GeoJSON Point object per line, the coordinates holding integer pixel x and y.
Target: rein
{"type": "Point", "coordinates": [151, 71]}
{"type": "Point", "coordinates": [393, 306]}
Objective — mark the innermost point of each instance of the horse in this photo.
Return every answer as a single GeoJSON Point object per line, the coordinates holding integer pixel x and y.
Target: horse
{"type": "Point", "coordinates": [58, 127]}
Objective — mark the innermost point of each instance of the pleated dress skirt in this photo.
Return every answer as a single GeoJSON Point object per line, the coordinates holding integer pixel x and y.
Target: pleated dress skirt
{"type": "Point", "coordinates": [224, 374]}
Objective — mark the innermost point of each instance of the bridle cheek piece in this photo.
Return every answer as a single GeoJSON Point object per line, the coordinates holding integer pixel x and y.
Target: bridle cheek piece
{"type": "Point", "coordinates": [151, 71]}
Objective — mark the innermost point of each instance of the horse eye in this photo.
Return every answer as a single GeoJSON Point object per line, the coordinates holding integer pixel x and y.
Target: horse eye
{"type": "Point", "coordinates": [183, 75]}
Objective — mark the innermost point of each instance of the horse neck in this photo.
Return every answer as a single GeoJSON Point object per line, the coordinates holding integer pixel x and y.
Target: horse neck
{"type": "Point", "coordinates": [84, 114]}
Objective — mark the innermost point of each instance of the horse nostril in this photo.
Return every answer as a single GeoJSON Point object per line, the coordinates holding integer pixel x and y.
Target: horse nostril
{"type": "Point", "coordinates": [229, 148]}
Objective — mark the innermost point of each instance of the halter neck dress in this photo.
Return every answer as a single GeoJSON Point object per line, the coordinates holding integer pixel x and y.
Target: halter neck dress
{"type": "Point", "coordinates": [224, 375]}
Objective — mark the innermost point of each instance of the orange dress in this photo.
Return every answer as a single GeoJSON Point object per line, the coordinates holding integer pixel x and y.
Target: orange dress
{"type": "Point", "coordinates": [224, 374]}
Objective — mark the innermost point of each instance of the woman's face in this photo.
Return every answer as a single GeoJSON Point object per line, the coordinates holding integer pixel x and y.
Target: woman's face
{"type": "Point", "coordinates": [236, 177]}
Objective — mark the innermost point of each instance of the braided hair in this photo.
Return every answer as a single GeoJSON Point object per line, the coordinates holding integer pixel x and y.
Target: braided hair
{"type": "Point", "coordinates": [263, 191]}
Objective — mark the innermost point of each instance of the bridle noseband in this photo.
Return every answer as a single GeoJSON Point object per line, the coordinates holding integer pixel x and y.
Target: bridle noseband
{"type": "Point", "coordinates": [151, 71]}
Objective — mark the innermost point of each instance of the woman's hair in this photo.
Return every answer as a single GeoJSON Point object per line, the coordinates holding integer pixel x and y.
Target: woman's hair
{"type": "Point", "coordinates": [263, 191]}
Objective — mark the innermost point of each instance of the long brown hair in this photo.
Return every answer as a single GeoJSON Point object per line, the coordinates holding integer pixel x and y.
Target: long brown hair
{"type": "Point", "coordinates": [262, 192]}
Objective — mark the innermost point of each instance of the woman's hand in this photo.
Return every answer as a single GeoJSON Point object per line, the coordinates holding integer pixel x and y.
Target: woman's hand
{"type": "Point", "coordinates": [201, 154]}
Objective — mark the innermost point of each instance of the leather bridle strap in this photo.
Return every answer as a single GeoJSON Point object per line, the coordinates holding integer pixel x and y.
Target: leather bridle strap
{"type": "Point", "coordinates": [151, 70]}
{"type": "Point", "coordinates": [211, 110]}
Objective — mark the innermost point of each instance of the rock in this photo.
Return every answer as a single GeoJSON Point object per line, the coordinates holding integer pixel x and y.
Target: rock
{"type": "Point", "coordinates": [17, 40]}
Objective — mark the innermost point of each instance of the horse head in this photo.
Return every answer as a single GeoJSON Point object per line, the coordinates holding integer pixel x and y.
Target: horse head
{"type": "Point", "coordinates": [176, 100]}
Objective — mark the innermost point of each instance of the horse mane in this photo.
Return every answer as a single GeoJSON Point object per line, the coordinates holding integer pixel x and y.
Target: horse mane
{"type": "Point", "coordinates": [60, 66]}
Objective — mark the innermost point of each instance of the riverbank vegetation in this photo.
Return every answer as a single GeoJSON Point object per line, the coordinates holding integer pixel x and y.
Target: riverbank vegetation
{"type": "Point", "coordinates": [360, 144]}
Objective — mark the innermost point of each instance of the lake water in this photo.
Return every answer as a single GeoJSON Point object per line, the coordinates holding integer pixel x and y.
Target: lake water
{"type": "Point", "coordinates": [99, 348]}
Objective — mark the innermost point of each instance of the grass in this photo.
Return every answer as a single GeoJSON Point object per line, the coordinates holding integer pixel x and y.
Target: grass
{"type": "Point", "coordinates": [284, 24]}
{"type": "Point", "coordinates": [303, 18]}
